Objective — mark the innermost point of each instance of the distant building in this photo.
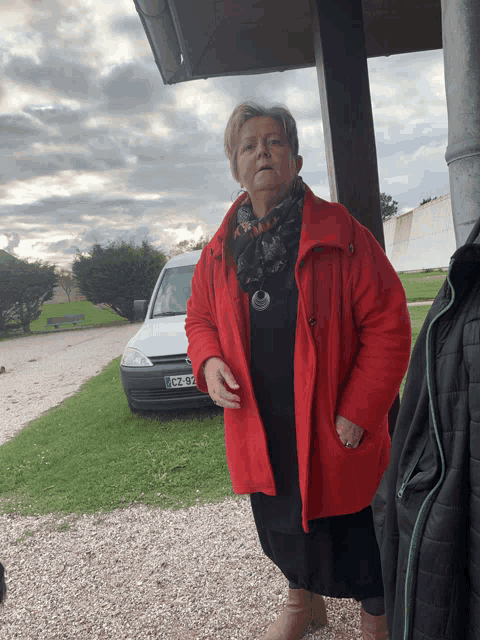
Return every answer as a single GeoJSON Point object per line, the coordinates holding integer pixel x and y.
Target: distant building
{"type": "Point", "coordinates": [423, 238]}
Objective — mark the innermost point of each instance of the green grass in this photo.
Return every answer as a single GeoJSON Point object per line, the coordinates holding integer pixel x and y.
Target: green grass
{"type": "Point", "coordinates": [417, 318]}
{"type": "Point", "coordinates": [91, 454]}
{"type": "Point", "coordinates": [92, 314]}
{"type": "Point", "coordinates": [422, 286]}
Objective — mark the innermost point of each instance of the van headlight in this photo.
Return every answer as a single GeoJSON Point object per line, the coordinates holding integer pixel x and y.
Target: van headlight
{"type": "Point", "coordinates": [135, 358]}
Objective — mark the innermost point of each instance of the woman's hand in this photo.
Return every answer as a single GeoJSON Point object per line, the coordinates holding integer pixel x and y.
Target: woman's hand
{"type": "Point", "coordinates": [217, 374]}
{"type": "Point", "coordinates": [349, 433]}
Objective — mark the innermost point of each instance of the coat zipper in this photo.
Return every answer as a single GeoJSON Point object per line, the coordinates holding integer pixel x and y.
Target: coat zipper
{"type": "Point", "coordinates": [411, 470]}
{"type": "Point", "coordinates": [424, 509]}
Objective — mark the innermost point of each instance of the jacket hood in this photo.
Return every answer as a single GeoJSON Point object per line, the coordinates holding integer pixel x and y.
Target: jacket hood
{"type": "Point", "coordinates": [462, 272]}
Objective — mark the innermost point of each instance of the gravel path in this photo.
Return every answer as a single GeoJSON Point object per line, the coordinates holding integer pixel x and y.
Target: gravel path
{"type": "Point", "coordinates": [140, 573]}
{"type": "Point", "coordinates": [42, 370]}
{"type": "Point", "coordinates": [136, 573]}
{"type": "Point", "coordinates": [420, 304]}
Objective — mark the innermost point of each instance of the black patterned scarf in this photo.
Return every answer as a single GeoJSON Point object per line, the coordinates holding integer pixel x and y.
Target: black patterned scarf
{"type": "Point", "coordinates": [264, 247]}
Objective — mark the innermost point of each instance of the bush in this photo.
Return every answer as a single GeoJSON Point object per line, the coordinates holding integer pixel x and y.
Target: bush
{"type": "Point", "coordinates": [118, 274]}
{"type": "Point", "coordinates": [24, 288]}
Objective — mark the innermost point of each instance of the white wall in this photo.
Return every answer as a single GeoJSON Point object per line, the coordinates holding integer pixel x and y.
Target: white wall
{"type": "Point", "coordinates": [423, 238]}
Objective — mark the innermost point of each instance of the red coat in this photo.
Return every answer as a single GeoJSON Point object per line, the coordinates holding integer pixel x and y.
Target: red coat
{"type": "Point", "coordinates": [352, 349]}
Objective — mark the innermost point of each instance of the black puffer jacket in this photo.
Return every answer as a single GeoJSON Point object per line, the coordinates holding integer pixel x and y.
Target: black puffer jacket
{"type": "Point", "coordinates": [427, 508]}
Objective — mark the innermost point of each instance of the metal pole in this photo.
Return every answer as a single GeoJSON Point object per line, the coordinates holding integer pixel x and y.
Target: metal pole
{"type": "Point", "coordinates": [461, 50]}
{"type": "Point", "coordinates": [339, 43]}
{"type": "Point", "coordinates": [342, 71]}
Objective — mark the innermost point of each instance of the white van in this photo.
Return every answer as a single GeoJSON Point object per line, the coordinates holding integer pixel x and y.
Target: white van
{"type": "Point", "coordinates": [155, 371]}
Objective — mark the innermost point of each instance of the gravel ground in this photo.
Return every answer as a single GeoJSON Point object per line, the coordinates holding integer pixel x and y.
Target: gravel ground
{"type": "Point", "coordinates": [135, 573]}
{"type": "Point", "coordinates": [140, 573]}
{"type": "Point", "coordinates": [42, 370]}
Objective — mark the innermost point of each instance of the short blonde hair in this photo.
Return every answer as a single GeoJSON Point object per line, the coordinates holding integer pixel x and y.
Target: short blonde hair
{"type": "Point", "coordinates": [251, 109]}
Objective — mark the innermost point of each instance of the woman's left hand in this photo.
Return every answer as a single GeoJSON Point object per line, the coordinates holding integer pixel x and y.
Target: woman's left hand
{"type": "Point", "coordinates": [349, 433]}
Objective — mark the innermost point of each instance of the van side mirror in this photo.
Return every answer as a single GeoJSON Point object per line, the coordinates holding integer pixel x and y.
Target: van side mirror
{"type": "Point", "coordinates": [140, 309]}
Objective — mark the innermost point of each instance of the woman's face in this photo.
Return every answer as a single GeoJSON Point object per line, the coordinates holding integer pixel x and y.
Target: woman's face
{"type": "Point", "coordinates": [265, 161]}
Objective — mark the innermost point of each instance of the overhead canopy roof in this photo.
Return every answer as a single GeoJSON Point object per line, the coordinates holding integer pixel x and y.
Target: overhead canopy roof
{"type": "Point", "coordinates": [193, 39]}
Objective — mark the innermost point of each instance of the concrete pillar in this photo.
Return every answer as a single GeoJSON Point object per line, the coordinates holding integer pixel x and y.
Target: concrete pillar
{"type": "Point", "coordinates": [340, 55]}
{"type": "Point", "coordinates": [461, 49]}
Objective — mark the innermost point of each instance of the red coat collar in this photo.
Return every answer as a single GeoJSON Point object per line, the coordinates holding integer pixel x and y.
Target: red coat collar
{"type": "Point", "coordinates": [324, 224]}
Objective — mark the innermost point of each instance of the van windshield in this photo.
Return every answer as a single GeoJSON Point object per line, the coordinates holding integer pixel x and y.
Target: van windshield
{"type": "Point", "coordinates": [174, 291]}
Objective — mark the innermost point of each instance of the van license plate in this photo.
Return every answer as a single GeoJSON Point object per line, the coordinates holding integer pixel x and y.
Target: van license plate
{"type": "Point", "coordinates": [175, 382]}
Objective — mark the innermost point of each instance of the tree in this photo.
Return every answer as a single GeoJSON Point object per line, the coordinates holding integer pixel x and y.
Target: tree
{"type": "Point", "coordinates": [388, 206]}
{"type": "Point", "coordinates": [7, 297]}
{"type": "Point", "coordinates": [425, 200]}
{"type": "Point", "coordinates": [66, 281]}
{"type": "Point", "coordinates": [118, 274]}
{"type": "Point", "coordinates": [189, 245]}
{"type": "Point", "coordinates": [24, 287]}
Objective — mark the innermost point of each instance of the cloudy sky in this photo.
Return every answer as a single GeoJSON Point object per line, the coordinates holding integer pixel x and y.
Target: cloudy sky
{"type": "Point", "coordinates": [95, 147]}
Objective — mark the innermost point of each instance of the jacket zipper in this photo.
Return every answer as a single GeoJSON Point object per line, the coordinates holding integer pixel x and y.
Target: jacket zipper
{"type": "Point", "coordinates": [411, 470]}
{"type": "Point", "coordinates": [423, 512]}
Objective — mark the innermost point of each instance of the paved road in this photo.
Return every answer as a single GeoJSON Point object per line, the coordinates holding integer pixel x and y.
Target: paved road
{"type": "Point", "coordinates": [43, 370]}
{"type": "Point", "coordinates": [418, 304]}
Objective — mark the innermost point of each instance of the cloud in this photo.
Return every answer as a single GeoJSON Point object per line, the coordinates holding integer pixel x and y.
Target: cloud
{"type": "Point", "coordinates": [95, 147]}
{"type": "Point", "coordinates": [18, 131]}
{"type": "Point", "coordinates": [87, 219]}
{"type": "Point", "coordinates": [57, 114]}
{"type": "Point", "coordinates": [19, 126]}
{"type": "Point", "coordinates": [399, 143]}
{"type": "Point", "coordinates": [60, 246]}
{"type": "Point", "coordinates": [132, 88]}
{"type": "Point", "coordinates": [13, 242]}
{"type": "Point", "coordinates": [128, 25]}
{"type": "Point", "coordinates": [84, 241]}
{"type": "Point", "coordinates": [64, 25]}
{"type": "Point", "coordinates": [55, 72]}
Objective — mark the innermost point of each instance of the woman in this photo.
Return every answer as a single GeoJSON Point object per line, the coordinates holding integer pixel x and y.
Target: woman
{"type": "Point", "coordinates": [298, 326]}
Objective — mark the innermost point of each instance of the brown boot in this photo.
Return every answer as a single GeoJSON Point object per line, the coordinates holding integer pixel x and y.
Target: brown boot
{"type": "Point", "coordinates": [303, 610]}
{"type": "Point", "coordinates": [373, 627]}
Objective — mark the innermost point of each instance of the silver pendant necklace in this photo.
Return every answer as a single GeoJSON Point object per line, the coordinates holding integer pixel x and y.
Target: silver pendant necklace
{"type": "Point", "coordinates": [260, 300]}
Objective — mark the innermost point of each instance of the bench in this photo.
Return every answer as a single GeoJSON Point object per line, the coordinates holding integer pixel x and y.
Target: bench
{"type": "Point", "coordinates": [68, 319]}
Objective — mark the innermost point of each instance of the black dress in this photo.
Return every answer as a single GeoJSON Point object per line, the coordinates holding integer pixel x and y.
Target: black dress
{"type": "Point", "coordinates": [339, 557]}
